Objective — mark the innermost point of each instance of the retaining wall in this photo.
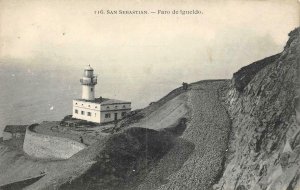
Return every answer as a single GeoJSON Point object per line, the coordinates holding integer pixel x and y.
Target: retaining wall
{"type": "Point", "coordinates": [45, 146]}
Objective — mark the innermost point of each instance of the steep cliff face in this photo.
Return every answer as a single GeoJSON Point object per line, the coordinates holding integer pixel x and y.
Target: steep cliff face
{"type": "Point", "coordinates": [265, 141]}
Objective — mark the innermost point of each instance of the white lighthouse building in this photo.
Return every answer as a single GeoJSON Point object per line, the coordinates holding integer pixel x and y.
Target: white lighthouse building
{"type": "Point", "coordinates": [97, 110]}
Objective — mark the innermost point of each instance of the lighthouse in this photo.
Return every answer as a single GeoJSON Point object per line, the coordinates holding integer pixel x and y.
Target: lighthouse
{"type": "Point", "coordinates": [97, 110]}
{"type": "Point", "coordinates": [88, 82]}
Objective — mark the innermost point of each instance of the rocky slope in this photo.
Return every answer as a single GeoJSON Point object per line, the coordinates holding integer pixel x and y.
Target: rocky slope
{"type": "Point", "coordinates": [265, 143]}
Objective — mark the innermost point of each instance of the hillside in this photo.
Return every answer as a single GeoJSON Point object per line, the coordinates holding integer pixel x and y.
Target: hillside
{"type": "Point", "coordinates": [235, 134]}
{"type": "Point", "coordinates": [143, 156]}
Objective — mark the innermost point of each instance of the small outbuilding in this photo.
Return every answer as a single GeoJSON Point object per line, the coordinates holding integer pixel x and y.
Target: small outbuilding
{"type": "Point", "coordinates": [14, 132]}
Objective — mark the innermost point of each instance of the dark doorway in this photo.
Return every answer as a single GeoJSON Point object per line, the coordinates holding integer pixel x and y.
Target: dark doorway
{"type": "Point", "coordinates": [116, 116]}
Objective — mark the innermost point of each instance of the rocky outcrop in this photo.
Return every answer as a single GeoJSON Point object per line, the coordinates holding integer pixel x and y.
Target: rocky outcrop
{"type": "Point", "coordinates": [265, 142]}
{"type": "Point", "coordinates": [244, 75]}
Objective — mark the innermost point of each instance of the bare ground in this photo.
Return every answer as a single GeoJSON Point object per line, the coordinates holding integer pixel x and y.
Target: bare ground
{"type": "Point", "coordinates": [165, 115]}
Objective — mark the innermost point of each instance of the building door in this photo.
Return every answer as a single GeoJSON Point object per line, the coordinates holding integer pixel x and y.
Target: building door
{"type": "Point", "coordinates": [116, 116]}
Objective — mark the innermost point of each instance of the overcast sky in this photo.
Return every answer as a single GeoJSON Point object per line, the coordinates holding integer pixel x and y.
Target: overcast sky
{"type": "Point", "coordinates": [136, 50]}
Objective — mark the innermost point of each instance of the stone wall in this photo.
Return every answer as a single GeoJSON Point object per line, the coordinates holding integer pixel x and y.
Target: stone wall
{"type": "Point", "coordinates": [45, 146]}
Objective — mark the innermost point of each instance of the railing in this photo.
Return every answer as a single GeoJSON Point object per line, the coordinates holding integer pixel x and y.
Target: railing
{"type": "Point", "coordinates": [89, 81]}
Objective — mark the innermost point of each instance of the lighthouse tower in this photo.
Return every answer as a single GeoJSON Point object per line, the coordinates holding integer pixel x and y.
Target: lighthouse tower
{"type": "Point", "coordinates": [88, 82]}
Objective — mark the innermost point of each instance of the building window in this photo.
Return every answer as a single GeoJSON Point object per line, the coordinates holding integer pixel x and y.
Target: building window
{"type": "Point", "coordinates": [107, 115]}
{"type": "Point", "coordinates": [82, 112]}
{"type": "Point", "coordinates": [75, 103]}
{"type": "Point", "coordinates": [92, 89]}
{"type": "Point", "coordinates": [95, 106]}
{"type": "Point", "coordinates": [107, 107]}
{"type": "Point", "coordinates": [124, 106]}
{"type": "Point", "coordinates": [89, 113]}
{"type": "Point", "coordinates": [116, 106]}
{"type": "Point", "coordinates": [123, 114]}
{"type": "Point", "coordinates": [76, 111]}
{"type": "Point", "coordinates": [89, 105]}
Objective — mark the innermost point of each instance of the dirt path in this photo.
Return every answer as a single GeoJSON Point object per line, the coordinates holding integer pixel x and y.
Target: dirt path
{"type": "Point", "coordinates": [166, 115]}
{"type": "Point", "coordinates": [207, 131]}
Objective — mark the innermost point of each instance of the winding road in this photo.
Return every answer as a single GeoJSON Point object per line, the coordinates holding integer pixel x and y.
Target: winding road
{"type": "Point", "coordinates": [197, 157]}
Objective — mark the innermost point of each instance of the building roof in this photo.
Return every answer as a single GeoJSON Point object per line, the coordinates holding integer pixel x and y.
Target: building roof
{"type": "Point", "coordinates": [15, 128]}
{"type": "Point", "coordinates": [114, 101]}
{"type": "Point", "coordinates": [105, 101]}
{"type": "Point", "coordinates": [97, 100]}
{"type": "Point", "coordinates": [89, 68]}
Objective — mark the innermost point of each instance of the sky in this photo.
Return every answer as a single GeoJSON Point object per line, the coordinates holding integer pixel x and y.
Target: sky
{"type": "Point", "coordinates": [142, 57]}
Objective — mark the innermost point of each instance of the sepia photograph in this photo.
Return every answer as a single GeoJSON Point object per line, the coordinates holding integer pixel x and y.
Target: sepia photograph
{"type": "Point", "coordinates": [149, 95]}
